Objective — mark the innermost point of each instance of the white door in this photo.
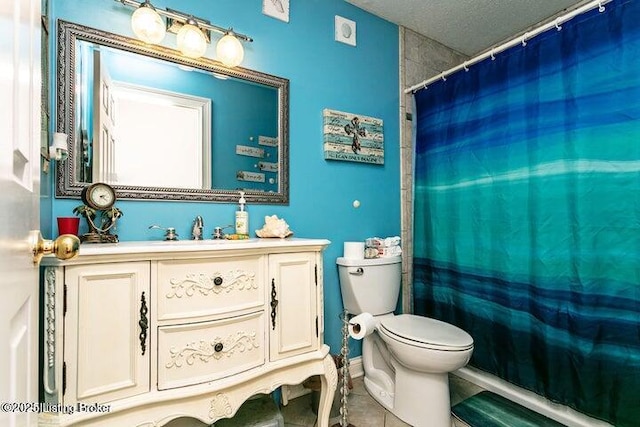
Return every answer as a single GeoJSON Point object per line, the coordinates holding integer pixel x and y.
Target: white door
{"type": "Point", "coordinates": [103, 126]}
{"type": "Point", "coordinates": [19, 207]}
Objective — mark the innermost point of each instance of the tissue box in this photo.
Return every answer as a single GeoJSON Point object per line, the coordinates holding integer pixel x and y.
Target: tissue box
{"type": "Point", "coordinates": [259, 412]}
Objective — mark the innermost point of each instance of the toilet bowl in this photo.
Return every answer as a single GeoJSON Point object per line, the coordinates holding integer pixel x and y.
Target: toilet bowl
{"type": "Point", "coordinates": [407, 358]}
{"type": "Point", "coordinates": [425, 344]}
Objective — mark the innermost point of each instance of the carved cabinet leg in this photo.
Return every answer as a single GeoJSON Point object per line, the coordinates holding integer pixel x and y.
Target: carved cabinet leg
{"type": "Point", "coordinates": [329, 382]}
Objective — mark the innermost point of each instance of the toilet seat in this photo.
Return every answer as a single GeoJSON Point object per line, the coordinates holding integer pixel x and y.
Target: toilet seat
{"type": "Point", "coordinates": [425, 332]}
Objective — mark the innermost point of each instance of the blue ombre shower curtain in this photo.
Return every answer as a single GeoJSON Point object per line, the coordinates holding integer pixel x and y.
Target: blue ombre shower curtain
{"type": "Point", "coordinates": [527, 212]}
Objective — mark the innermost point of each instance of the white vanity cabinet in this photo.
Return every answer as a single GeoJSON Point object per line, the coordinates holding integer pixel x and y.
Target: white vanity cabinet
{"type": "Point", "coordinates": [140, 333]}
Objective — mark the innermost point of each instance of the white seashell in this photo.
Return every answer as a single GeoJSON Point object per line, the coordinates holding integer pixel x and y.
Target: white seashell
{"type": "Point", "coordinates": [274, 227]}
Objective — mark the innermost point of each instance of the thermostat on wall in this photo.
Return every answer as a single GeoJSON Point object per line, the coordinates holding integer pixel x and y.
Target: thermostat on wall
{"type": "Point", "coordinates": [345, 30]}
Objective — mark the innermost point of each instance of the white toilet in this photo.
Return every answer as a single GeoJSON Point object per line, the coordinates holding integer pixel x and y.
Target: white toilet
{"type": "Point", "coordinates": [407, 358]}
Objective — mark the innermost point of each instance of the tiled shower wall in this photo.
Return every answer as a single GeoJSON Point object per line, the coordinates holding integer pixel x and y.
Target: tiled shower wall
{"type": "Point", "coordinates": [420, 59]}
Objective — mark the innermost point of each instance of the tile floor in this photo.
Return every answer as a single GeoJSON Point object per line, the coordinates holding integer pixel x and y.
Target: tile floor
{"type": "Point", "coordinates": [363, 410]}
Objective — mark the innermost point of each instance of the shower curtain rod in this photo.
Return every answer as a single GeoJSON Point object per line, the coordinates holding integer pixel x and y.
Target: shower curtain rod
{"type": "Point", "coordinates": [528, 35]}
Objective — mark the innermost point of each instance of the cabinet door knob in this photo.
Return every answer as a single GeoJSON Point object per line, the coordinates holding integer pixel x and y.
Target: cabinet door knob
{"type": "Point", "coordinates": [217, 281]}
{"type": "Point", "coordinates": [218, 347]}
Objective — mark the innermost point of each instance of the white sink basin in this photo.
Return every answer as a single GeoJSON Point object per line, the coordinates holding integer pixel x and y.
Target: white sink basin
{"type": "Point", "coordinates": [198, 242]}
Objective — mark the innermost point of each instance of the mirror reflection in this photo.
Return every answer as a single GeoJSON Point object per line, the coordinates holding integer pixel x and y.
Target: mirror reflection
{"type": "Point", "coordinates": [156, 125]}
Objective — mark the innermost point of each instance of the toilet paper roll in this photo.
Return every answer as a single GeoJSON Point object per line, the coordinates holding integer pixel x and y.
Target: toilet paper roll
{"type": "Point", "coordinates": [361, 325]}
{"type": "Point", "coordinates": [354, 250]}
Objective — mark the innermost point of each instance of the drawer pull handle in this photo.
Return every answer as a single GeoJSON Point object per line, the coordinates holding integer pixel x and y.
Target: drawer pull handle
{"type": "Point", "coordinates": [143, 323]}
{"type": "Point", "coordinates": [218, 347]}
{"type": "Point", "coordinates": [217, 281]}
{"type": "Point", "coordinates": [274, 304]}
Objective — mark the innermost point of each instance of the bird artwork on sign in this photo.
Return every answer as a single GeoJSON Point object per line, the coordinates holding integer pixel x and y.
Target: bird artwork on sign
{"type": "Point", "coordinates": [278, 5]}
{"type": "Point", "coordinates": [278, 9]}
{"type": "Point", "coordinates": [353, 128]}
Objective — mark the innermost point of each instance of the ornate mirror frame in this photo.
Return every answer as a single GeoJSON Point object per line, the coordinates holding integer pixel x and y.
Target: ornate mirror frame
{"type": "Point", "coordinates": [66, 184]}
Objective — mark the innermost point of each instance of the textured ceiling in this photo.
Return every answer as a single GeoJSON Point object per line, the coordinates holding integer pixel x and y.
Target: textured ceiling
{"type": "Point", "coordinates": [468, 26]}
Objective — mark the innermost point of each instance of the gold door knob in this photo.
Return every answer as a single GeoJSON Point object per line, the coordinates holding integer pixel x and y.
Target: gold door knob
{"type": "Point", "coordinates": [65, 246]}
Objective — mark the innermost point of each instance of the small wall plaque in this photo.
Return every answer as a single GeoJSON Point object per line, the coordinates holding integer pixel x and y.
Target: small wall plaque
{"type": "Point", "coordinates": [267, 141]}
{"type": "Point", "coordinates": [249, 176]}
{"type": "Point", "coordinates": [268, 166]}
{"type": "Point", "coordinates": [352, 137]}
{"type": "Point", "coordinates": [245, 150]}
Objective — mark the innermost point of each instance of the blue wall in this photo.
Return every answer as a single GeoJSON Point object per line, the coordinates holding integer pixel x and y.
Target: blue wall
{"type": "Point", "coordinates": [323, 74]}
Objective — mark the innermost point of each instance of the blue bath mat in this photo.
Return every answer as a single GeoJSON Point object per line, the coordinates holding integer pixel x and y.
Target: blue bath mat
{"type": "Point", "coordinates": [487, 409]}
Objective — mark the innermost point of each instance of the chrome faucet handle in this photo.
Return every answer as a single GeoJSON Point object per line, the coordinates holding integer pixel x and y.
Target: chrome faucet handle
{"type": "Point", "coordinates": [218, 232]}
{"type": "Point", "coordinates": [170, 232]}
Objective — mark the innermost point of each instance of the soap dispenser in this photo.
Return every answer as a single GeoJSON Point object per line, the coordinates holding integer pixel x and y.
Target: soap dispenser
{"type": "Point", "coordinates": [242, 217]}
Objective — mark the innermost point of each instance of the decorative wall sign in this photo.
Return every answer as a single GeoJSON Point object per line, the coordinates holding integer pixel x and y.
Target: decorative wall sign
{"type": "Point", "coordinates": [345, 30]}
{"type": "Point", "coordinates": [278, 9]}
{"type": "Point", "coordinates": [249, 176]}
{"type": "Point", "coordinates": [268, 141]}
{"type": "Point", "coordinates": [244, 150]}
{"type": "Point", "coordinates": [352, 137]}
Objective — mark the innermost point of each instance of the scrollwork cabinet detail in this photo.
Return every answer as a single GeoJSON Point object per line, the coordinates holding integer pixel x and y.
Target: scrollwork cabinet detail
{"type": "Point", "coordinates": [206, 287]}
{"type": "Point", "coordinates": [157, 334]}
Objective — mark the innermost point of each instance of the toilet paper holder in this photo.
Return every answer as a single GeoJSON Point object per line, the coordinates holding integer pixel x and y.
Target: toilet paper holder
{"type": "Point", "coordinates": [357, 272]}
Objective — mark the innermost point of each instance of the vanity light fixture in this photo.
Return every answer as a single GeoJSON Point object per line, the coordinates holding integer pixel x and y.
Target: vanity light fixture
{"type": "Point", "coordinates": [193, 33]}
{"type": "Point", "coordinates": [191, 41]}
{"type": "Point", "coordinates": [147, 24]}
{"type": "Point", "coordinates": [229, 50]}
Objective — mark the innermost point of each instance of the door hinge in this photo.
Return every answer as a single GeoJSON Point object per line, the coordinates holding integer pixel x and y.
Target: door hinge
{"type": "Point", "coordinates": [316, 326]}
{"type": "Point", "coordinates": [315, 273]}
{"type": "Point", "coordinates": [64, 377]}
{"type": "Point", "coordinates": [64, 300]}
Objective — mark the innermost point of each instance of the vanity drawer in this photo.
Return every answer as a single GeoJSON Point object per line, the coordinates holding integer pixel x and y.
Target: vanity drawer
{"type": "Point", "coordinates": [207, 351]}
{"type": "Point", "coordinates": [197, 288]}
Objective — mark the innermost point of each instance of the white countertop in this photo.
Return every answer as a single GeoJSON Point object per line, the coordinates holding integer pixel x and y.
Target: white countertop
{"type": "Point", "coordinates": [164, 247]}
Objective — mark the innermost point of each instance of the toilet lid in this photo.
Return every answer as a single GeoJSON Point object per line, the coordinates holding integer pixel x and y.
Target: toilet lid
{"type": "Point", "coordinates": [427, 331]}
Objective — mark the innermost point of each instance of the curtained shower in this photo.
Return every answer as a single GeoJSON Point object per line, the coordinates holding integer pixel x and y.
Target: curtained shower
{"type": "Point", "coordinates": [527, 212]}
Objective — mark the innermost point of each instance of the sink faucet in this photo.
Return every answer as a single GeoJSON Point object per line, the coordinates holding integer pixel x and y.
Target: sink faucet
{"type": "Point", "coordinates": [196, 231]}
{"type": "Point", "coordinates": [170, 232]}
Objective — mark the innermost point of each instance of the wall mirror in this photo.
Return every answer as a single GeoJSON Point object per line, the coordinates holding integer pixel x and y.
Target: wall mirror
{"type": "Point", "coordinates": [159, 126]}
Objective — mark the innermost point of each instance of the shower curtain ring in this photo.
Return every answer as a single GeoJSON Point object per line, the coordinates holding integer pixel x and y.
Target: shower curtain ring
{"type": "Point", "coordinates": [444, 79]}
{"type": "Point", "coordinates": [558, 26]}
{"type": "Point", "coordinates": [464, 65]}
{"type": "Point", "coordinates": [524, 40]}
{"type": "Point", "coordinates": [493, 55]}
{"type": "Point", "coordinates": [601, 7]}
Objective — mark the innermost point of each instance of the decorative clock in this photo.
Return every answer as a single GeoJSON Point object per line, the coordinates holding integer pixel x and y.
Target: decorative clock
{"type": "Point", "coordinates": [99, 197]}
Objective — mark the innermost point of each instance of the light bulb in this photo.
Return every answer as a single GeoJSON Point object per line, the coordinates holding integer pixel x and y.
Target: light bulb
{"type": "Point", "coordinates": [147, 24]}
{"type": "Point", "coordinates": [229, 50]}
{"type": "Point", "coordinates": [191, 41]}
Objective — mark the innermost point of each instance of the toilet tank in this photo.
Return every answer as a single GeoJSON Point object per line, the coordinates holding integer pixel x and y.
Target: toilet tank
{"type": "Point", "coordinates": [370, 285]}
